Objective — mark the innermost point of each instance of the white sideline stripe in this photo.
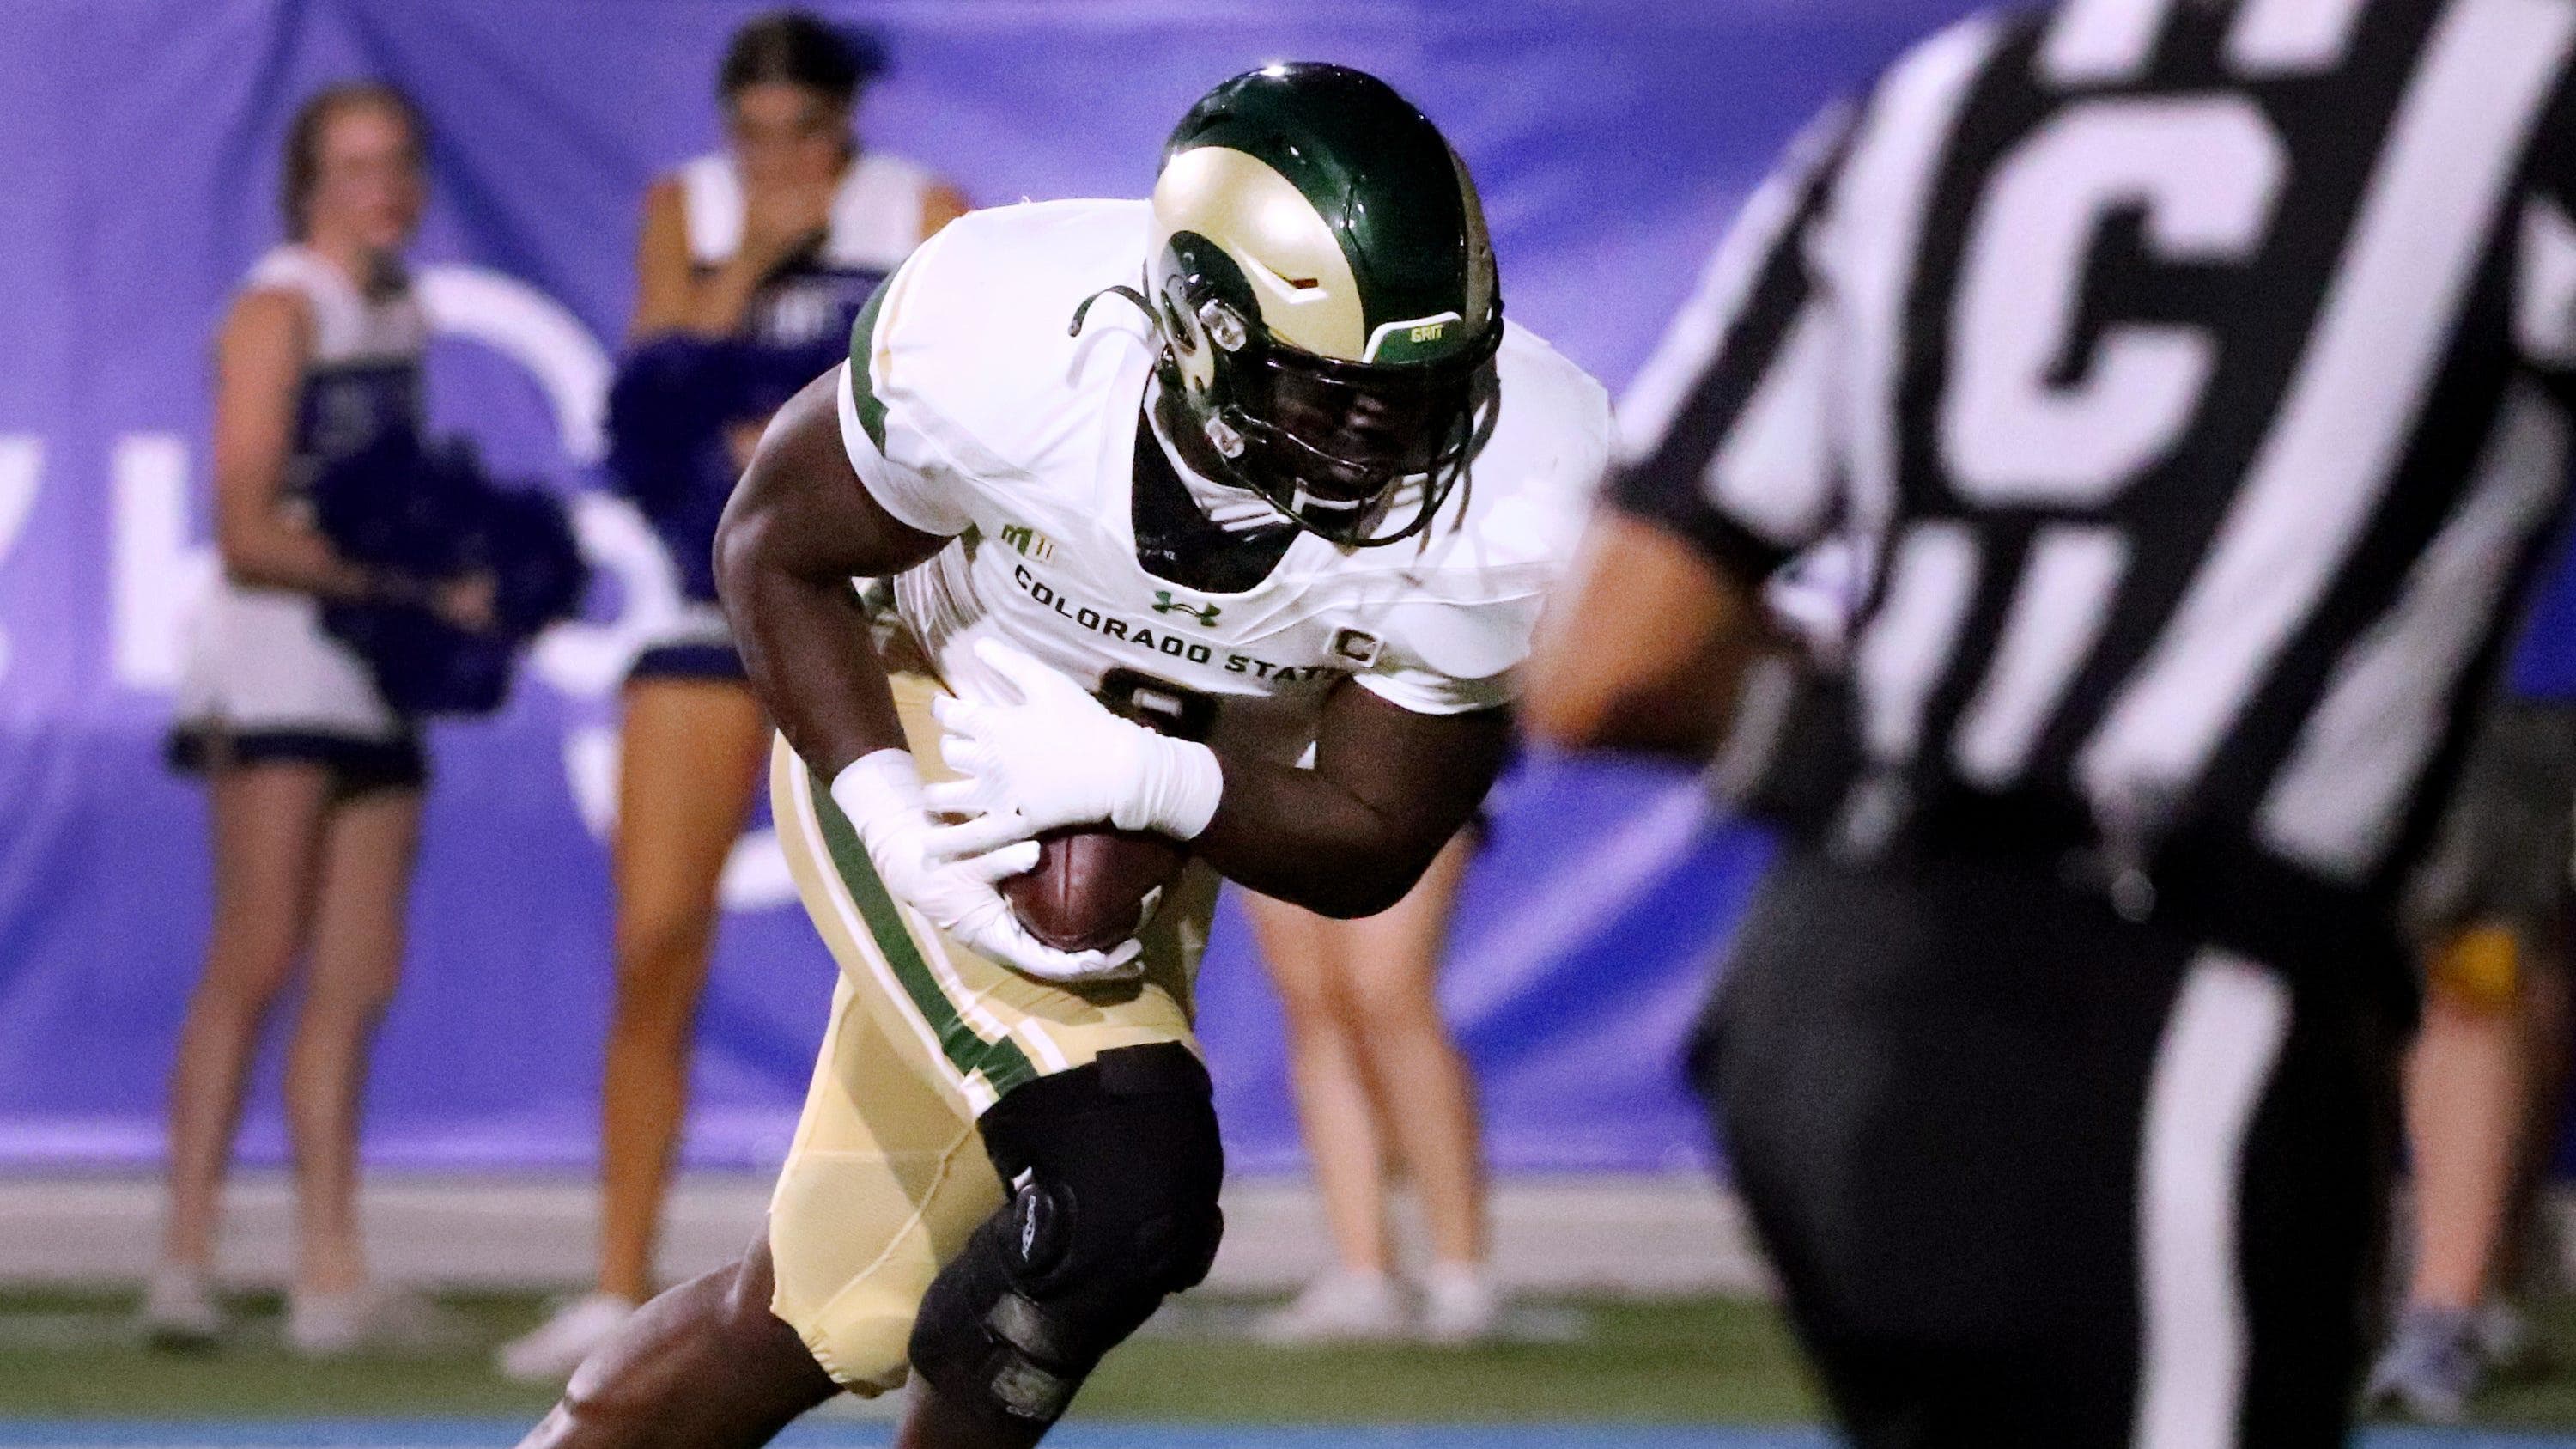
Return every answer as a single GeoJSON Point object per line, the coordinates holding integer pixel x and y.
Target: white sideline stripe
{"type": "Point", "coordinates": [809, 829]}
{"type": "Point", "coordinates": [1662, 1236]}
{"type": "Point", "coordinates": [2211, 1068]}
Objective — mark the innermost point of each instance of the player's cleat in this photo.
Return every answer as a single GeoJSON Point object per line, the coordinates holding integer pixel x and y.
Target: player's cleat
{"type": "Point", "coordinates": [1340, 1307]}
{"type": "Point", "coordinates": [2430, 1369]}
{"type": "Point", "coordinates": [1460, 1305]}
{"type": "Point", "coordinates": [553, 1349]}
{"type": "Point", "coordinates": [370, 1320]}
{"type": "Point", "coordinates": [180, 1313]}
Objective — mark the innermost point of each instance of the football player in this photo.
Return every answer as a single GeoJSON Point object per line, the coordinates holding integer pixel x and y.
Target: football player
{"type": "Point", "coordinates": [1259, 460]}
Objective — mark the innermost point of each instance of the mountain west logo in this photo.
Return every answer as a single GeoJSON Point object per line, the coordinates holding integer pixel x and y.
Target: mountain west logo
{"type": "Point", "coordinates": [1205, 614]}
{"type": "Point", "coordinates": [1030, 543]}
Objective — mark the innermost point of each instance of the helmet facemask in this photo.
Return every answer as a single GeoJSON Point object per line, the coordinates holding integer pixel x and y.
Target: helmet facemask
{"type": "Point", "coordinates": [1363, 454]}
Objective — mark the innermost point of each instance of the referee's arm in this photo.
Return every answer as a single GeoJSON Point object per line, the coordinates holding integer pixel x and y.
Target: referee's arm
{"type": "Point", "coordinates": [1727, 469]}
{"type": "Point", "coordinates": [1643, 647]}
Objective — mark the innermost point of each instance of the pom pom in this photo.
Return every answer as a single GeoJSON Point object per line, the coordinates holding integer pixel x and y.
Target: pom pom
{"type": "Point", "coordinates": [434, 515]}
{"type": "Point", "coordinates": [669, 412]}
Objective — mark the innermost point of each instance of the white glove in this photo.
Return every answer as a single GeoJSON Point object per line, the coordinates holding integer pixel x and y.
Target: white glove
{"type": "Point", "coordinates": [1057, 758]}
{"type": "Point", "coordinates": [881, 794]}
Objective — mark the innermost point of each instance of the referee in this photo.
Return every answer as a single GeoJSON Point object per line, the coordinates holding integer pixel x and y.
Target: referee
{"type": "Point", "coordinates": [2197, 373]}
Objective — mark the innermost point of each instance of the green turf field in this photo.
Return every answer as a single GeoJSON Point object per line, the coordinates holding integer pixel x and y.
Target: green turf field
{"type": "Point", "coordinates": [71, 1354]}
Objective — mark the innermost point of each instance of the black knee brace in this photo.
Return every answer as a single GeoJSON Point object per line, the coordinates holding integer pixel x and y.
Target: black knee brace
{"type": "Point", "coordinates": [1113, 1172]}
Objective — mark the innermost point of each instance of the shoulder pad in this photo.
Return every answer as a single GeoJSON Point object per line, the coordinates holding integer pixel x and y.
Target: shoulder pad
{"type": "Point", "coordinates": [1520, 514]}
{"type": "Point", "coordinates": [965, 350]}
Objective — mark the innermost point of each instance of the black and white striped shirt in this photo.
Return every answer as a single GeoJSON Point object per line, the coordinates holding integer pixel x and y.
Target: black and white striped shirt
{"type": "Point", "coordinates": [2198, 371]}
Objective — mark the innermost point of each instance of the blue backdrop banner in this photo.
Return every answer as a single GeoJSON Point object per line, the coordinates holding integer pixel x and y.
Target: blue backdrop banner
{"type": "Point", "coordinates": [140, 142]}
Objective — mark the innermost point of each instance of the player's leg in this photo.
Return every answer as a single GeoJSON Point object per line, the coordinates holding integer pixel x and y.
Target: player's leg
{"type": "Point", "coordinates": [266, 827]}
{"type": "Point", "coordinates": [1114, 1169]}
{"type": "Point", "coordinates": [691, 758]}
{"type": "Point", "coordinates": [704, 1366]}
{"type": "Point", "coordinates": [1357, 1298]}
{"type": "Point", "coordinates": [1093, 1108]}
{"type": "Point", "coordinates": [886, 1180]}
{"type": "Point", "coordinates": [1420, 1086]}
{"type": "Point", "coordinates": [368, 844]}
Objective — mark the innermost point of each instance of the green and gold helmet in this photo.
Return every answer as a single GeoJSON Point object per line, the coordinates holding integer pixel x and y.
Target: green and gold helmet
{"type": "Point", "coordinates": [1326, 296]}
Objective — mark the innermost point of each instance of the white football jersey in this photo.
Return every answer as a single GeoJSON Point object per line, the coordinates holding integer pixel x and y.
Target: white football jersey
{"type": "Point", "coordinates": [979, 417]}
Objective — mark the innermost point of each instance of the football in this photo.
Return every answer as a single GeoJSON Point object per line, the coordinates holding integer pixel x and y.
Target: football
{"type": "Point", "coordinates": [1094, 887]}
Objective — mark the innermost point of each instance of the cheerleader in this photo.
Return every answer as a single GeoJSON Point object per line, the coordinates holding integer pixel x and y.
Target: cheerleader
{"type": "Point", "coordinates": [314, 783]}
{"type": "Point", "coordinates": [1380, 1084]}
{"type": "Point", "coordinates": [753, 263]}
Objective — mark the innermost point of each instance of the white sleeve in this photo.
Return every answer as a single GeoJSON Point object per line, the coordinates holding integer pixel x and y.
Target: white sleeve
{"type": "Point", "coordinates": [1423, 691]}
{"type": "Point", "coordinates": [1451, 658]}
{"type": "Point", "coordinates": [910, 494]}
{"type": "Point", "coordinates": [887, 425]}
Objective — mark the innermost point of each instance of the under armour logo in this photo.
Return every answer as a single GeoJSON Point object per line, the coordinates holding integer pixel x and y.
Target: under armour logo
{"type": "Point", "coordinates": [1206, 614]}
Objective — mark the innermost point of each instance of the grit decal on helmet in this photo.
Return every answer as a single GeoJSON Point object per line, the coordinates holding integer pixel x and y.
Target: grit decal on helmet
{"type": "Point", "coordinates": [1325, 294]}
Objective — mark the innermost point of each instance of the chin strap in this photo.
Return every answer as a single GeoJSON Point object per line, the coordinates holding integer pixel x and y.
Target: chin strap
{"type": "Point", "coordinates": [1152, 322]}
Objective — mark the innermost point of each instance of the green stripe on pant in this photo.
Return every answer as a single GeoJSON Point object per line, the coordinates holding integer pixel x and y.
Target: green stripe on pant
{"type": "Point", "coordinates": [1002, 1063]}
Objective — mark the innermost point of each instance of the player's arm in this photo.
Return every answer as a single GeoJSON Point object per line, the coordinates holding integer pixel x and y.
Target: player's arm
{"type": "Point", "coordinates": [798, 529]}
{"type": "Point", "coordinates": [1352, 835]}
{"type": "Point", "coordinates": [1346, 838]}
